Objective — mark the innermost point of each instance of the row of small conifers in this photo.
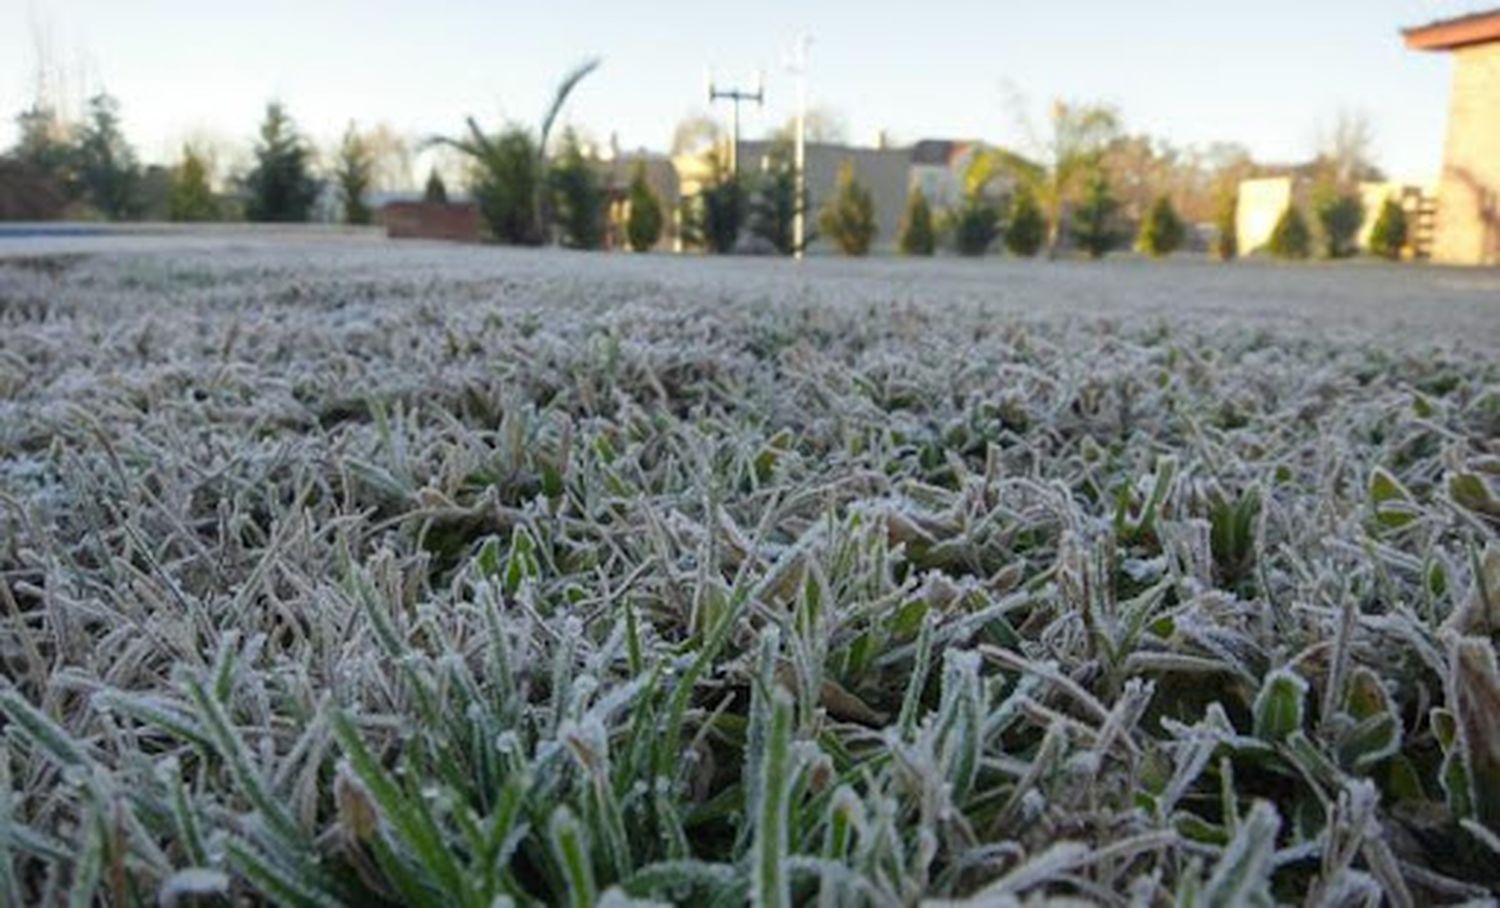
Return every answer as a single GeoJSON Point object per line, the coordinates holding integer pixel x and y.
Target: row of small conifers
{"type": "Point", "coordinates": [1062, 198]}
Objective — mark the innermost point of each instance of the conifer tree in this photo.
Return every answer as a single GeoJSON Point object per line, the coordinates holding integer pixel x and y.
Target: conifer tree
{"type": "Point", "coordinates": [1340, 214]}
{"type": "Point", "coordinates": [1093, 220]}
{"type": "Point", "coordinates": [711, 220]}
{"type": "Point", "coordinates": [577, 198]}
{"type": "Point", "coordinates": [773, 204]}
{"type": "Point", "coordinates": [190, 198]}
{"type": "Point", "coordinates": [280, 186]}
{"type": "Point", "coordinates": [1388, 236]}
{"type": "Point", "coordinates": [1290, 238]}
{"type": "Point", "coordinates": [1162, 231]}
{"type": "Point", "coordinates": [849, 217]}
{"type": "Point", "coordinates": [917, 234]}
{"type": "Point", "coordinates": [107, 168]}
{"type": "Point", "coordinates": [1227, 238]}
{"type": "Point", "coordinates": [643, 222]}
{"type": "Point", "coordinates": [1026, 230]}
{"type": "Point", "coordinates": [355, 172]}
{"type": "Point", "coordinates": [975, 225]}
{"type": "Point", "coordinates": [436, 192]}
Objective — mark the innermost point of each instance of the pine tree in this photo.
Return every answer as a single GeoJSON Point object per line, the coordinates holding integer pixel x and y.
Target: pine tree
{"type": "Point", "coordinates": [1162, 231]}
{"type": "Point", "coordinates": [1026, 230]}
{"type": "Point", "coordinates": [773, 205]}
{"type": "Point", "coordinates": [190, 198]}
{"type": "Point", "coordinates": [849, 217]}
{"type": "Point", "coordinates": [1388, 236]}
{"type": "Point", "coordinates": [356, 167]}
{"type": "Point", "coordinates": [1093, 220]}
{"type": "Point", "coordinates": [107, 166]}
{"type": "Point", "coordinates": [1340, 215]}
{"type": "Point", "coordinates": [917, 234]}
{"type": "Point", "coordinates": [280, 186]}
{"type": "Point", "coordinates": [1290, 238]}
{"type": "Point", "coordinates": [436, 192]}
{"type": "Point", "coordinates": [577, 198]}
{"type": "Point", "coordinates": [1227, 238]}
{"type": "Point", "coordinates": [975, 225]}
{"type": "Point", "coordinates": [643, 222]}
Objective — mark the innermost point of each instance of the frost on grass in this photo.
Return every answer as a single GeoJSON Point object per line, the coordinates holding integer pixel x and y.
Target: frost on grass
{"type": "Point", "coordinates": [442, 578]}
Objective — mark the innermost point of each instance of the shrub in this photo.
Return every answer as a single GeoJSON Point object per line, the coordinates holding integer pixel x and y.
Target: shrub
{"type": "Point", "coordinates": [643, 223]}
{"type": "Point", "coordinates": [849, 217]}
{"type": "Point", "coordinates": [1290, 238]}
{"type": "Point", "coordinates": [280, 186]}
{"type": "Point", "coordinates": [917, 234]}
{"type": "Point", "coordinates": [1340, 215]}
{"type": "Point", "coordinates": [355, 170]}
{"type": "Point", "coordinates": [1093, 220]}
{"type": "Point", "coordinates": [1388, 236]}
{"type": "Point", "coordinates": [190, 198]}
{"type": "Point", "coordinates": [28, 193]}
{"type": "Point", "coordinates": [1026, 230]}
{"type": "Point", "coordinates": [1162, 230]}
{"type": "Point", "coordinates": [577, 198]}
{"type": "Point", "coordinates": [1227, 239]}
{"type": "Point", "coordinates": [436, 191]}
{"type": "Point", "coordinates": [975, 225]}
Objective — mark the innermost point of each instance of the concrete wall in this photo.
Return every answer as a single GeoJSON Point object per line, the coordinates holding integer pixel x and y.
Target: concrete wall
{"type": "Point", "coordinates": [1468, 215]}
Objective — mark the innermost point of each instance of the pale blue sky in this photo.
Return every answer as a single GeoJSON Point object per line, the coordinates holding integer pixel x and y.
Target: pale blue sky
{"type": "Point", "coordinates": [1269, 74]}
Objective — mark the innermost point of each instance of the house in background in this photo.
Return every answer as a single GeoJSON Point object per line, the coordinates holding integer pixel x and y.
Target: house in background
{"type": "Point", "coordinates": [1467, 225]}
{"type": "Point", "coordinates": [938, 167]}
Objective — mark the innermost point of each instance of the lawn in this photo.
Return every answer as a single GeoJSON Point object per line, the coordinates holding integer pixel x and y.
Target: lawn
{"type": "Point", "coordinates": [344, 573]}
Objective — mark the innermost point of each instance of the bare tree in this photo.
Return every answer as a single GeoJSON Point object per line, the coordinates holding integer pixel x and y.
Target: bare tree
{"type": "Point", "coordinates": [695, 133]}
{"type": "Point", "coordinates": [1346, 149]}
{"type": "Point", "coordinates": [822, 124]}
{"type": "Point", "coordinates": [1078, 135]}
{"type": "Point", "coordinates": [391, 159]}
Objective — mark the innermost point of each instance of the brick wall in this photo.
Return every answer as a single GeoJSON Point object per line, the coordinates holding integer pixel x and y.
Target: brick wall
{"type": "Point", "coordinates": [1467, 229]}
{"type": "Point", "coordinates": [458, 222]}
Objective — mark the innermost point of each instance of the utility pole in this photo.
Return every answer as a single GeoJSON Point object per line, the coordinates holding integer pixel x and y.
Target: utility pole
{"type": "Point", "coordinates": [798, 66]}
{"type": "Point", "coordinates": [735, 96]}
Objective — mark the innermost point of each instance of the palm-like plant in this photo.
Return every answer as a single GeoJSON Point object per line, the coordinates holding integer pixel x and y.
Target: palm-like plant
{"type": "Point", "coordinates": [510, 168]}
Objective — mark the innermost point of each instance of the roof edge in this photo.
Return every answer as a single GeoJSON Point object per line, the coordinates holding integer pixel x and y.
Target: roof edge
{"type": "Point", "coordinates": [1452, 34]}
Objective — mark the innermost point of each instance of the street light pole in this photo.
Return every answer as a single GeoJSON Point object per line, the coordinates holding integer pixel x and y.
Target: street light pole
{"type": "Point", "coordinates": [799, 220]}
{"type": "Point", "coordinates": [735, 96]}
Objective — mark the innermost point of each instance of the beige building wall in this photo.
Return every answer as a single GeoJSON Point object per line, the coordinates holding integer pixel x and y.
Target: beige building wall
{"type": "Point", "coordinates": [1261, 203]}
{"type": "Point", "coordinates": [1468, 215]}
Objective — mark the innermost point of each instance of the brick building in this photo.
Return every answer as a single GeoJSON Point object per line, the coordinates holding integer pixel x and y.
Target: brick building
{"type": "Point", "coordinates": [1467, 228]}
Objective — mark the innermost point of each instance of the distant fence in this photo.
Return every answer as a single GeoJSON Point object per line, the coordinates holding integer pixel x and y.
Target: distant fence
{"type": "Point", "coordinates": [458, 222]}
